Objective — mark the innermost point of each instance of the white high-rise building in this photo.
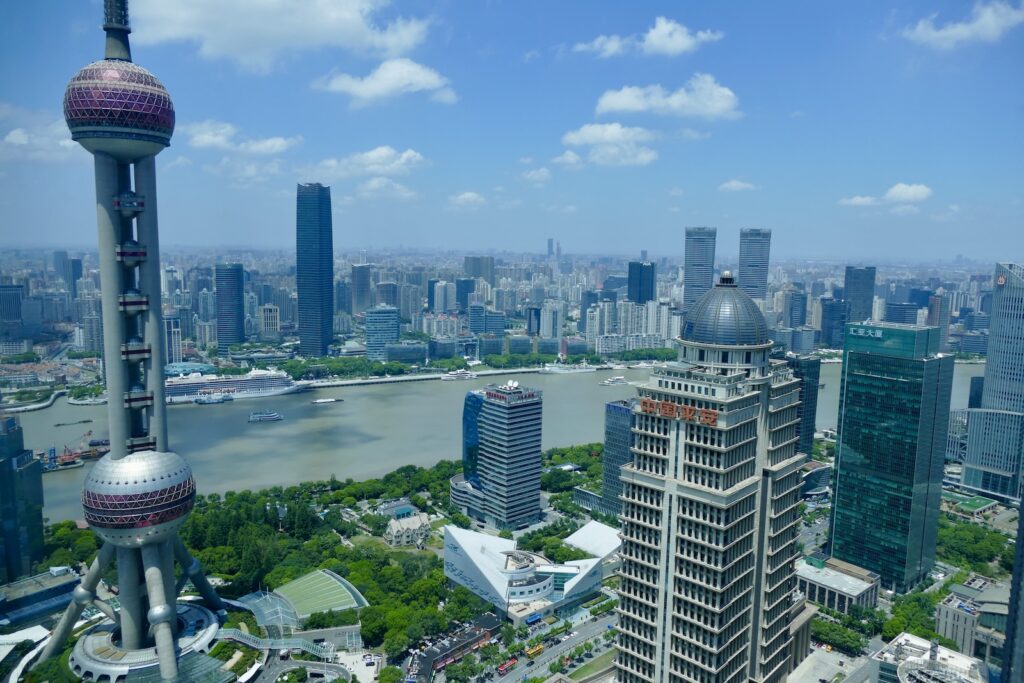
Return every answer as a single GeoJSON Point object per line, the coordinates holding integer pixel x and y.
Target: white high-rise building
{"type": "Point", "coordinates": [710, 509]}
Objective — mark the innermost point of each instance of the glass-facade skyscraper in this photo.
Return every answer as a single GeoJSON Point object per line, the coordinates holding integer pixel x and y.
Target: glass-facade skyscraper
{"type": "Point", "coordinates": [21, 503]}
{"type": "Point", "coordinates": [859, 292]}
{"type": "Point", "coordinates": [755, 250]}
{"type": "Point", "coordinates": [642, 279]}
{"type": "Point", "coordinates": [383, 327]}
{"type": "Point", "coordinates": [314, 268]}
{"type": "Point", "coordinates": [362, 287]}
{"type": "Point", "coordinates": [893, 423]}
{"type": "Point", "coordinates": [230, 283]}
{"type": "Point", "coordinates": [618, 444]}
{"type": "Point", "coordinates": [699, 265]}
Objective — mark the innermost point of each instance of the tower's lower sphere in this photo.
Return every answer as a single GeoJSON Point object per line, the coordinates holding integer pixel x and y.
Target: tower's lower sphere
{"type": "Point", "coordinates": [119, 108]}
{"type": "Point", "coordinates": [142, 498]}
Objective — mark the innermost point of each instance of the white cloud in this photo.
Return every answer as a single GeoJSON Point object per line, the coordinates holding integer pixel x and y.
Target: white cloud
{"type": "Point", "coordinates": [902, 192]}
{"type": "Point", "coordinates": [393, 77]}
{"type": "Point", "coordinates": [212, 134]}
{"type": "Point", "coordinates": [691, 134]}
{"type": "Point", "coordinates": [858, 200]}
{"type": "Point", "coordinates": [242, 173]}
{"type": "Point", "coordinates": [736, 186]}
{"type": "Point", "coordinates": [178, 162]}
{"type": "Point", "coordinates": [380, 187]}
{"type": "Point", "coordinates": [526, 160]}
{"type": "Point", "coordinates": [987, 24]}
{"type": "Point", "coordinates": [509, 204]}
{"type": "Point", "coordinates": [951, 213]}
{"type": "Point", "coordinates": [612, 144]}
{"type": "Point", "coordinates": [606, 46]}
{"type": "Point", "coordinates": [701, 97]}
{"type": "Point", "coordinates": [671, 38]}
{"type": "Point", "coordinates": [466, 201]}
{"type": "Point", "coordinates": [537, 176]}
{"type": "Point", "coordinates": [35, 136]}
{"type": "Point", "coordinates": [675, 192]}
{"type": "Point", "coordinates": [568, 159]}
{"type": "Point", "coordinates": [561, 208]}
{"type": "Point", "coordinates": [666, 37]}
{"type": "Point", "coordinates": [673, 209]}
{"type": "Point", "coordinates": [904, 210]}
{"type": "Point", "coordinates": [256, 35]}
{"type": "Point", "coordinates": [379, 161]}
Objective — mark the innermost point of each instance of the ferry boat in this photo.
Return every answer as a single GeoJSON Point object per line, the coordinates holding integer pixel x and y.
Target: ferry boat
{"type": "Point", "coordinates": [457, 375]}
{"type": "Point", "coordinates": [211, 399]}
{"type": "Point", "coordinates": [321, 401]}
{"type": "Point", "coordinates": [642, 365]}
{"type": "Point", "coordinates": [255, 384]}
{"type": "Point", "coordinates": [61, 466]}
{"type": "Point", "coordinates": [264, 416]}
{"type": "Point", "coordinates": [565, 369]}
{"type": "Point", "coordinates": [614, 381]}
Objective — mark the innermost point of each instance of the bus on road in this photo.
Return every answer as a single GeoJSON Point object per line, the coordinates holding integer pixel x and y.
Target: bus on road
{"type": "Point", "coordinates": [532, 652]}
{"type": "Point", "coordinates": [507, 666]}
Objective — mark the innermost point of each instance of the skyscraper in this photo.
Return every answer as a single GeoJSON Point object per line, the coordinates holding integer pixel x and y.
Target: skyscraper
{"type": "Point", "coordinates": [833, 323]}
{"type": "Point", "coordinates": [479, 267]}
{"type": "Point", "coordinates": [551, 247]}
{"type": "Point", "coordinates": [1013, 649]}
{"type": "Point", "coordinates": [808, 370]}
{"type": "Point", "coordinates": [618, 444]}
{"type": "Point", "coordinates": [795, 311]}
{"type": "Point", "coordinates": [699, 266]}
{"type": "Point", "coordinates": [902, 313]}
{"type": "Point", "coordinates": [859, 293]}
{"type": "Point", "coordinates": [755, 250]}
{"type": "Point", "coordinates": [230, 297]}
{"type": "Point", "coordinates": [938, 316]}
{"type": "Point", "coordinates": [362, 278]}
{"type": "Point", "coordinates": [137, 496]}
{"type": "Point", "coordinates": [893, 422]}
{"type": "Point", "coordinates": [382, 328]}
{"type": "Point", "coordinates": [21, 503]}
{"type": "Point", "coordinates": [500, 483]}
{"type": "Point", "coordinates": [314, 268]}
{"type": "Point", "coordinates": [642, 285]}
{"type": "Point", "coordinates": [709, 511]}
{"type": "Point", "coordinates": [464, 286]}
{"type": "Point", "coordinates": [995, 431]}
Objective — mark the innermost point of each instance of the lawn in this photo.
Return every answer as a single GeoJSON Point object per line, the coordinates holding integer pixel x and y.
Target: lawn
{"type": "Point", "coordinates": [599, 663]}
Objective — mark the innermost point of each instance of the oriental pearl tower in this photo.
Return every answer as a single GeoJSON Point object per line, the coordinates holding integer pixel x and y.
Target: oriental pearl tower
{"type": "Point", "coordinates": [138, 495]}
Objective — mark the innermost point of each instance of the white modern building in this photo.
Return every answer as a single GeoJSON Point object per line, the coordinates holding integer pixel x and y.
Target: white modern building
{"type": "Point", "coordinates": [519, 583]}
{"type": "Point", "coordinates": [910, 659]}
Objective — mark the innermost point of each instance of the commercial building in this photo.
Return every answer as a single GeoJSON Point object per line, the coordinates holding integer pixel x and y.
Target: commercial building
{"type": "Point", "coordinates": [35, 598]}
{"type": "Point", "coordinates": [1013, 650]}
{"type": "Point", "coordinates": [479, 267]}
{"type": "Point", "coordinates": [755, 250]}
{"type": "Point", "coordinates": [973, 615]}
{"type": "Point", "coordinates": [891, 442]}
{"type": "Point", "coordinates": [710, 508]}
{"type": "Point", "coordinates": [229, 279]}
{"type": "Point", "coordinates": [383, 327]}
{"type": "Point", "coordinates": [21, 503]}
{"type": "Point", "coordinates": [902, 313]}
{"type": "Point", "coordinates": [642, 283]}
{"type": "Point", "coordinates": [314, 268]}
{"type": "Point", "coordinates": [859, 293]}
{"type": "Point", "coordinates": [817, 479]}
{"type": "Point", "coordinates": [464, 287]}
{"type": "Point", "coordinates": [362, 287]}
{"type": "Point", "coordinates": [910, 659]}
{"type": "Point", "coordinates": [524, 586]}
{"type": "Point", "coordinates": [808, 370]}
{"type": "Point", "coordinates": [501, 436]}
{"type": "Point", "coordinates": [836, 585]}
{"type": "Point", "coordinates": [699, 264]}
{"type": "Point", "coordinates": [833, 323]}
{"type": "Point", "coordinates": [618, 444]}
{"type": "Point", "coordinates": [454, 647]}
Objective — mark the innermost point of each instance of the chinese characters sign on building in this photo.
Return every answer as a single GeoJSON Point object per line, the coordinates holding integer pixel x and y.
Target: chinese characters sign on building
{"type": "Point", "coordinates": [704, 416]}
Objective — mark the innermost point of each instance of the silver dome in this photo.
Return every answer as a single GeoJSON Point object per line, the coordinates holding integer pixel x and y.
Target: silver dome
{"type": "Point", "coordinates": [725, 316]}
{"type": "Point", "coordinates": [140, 498]}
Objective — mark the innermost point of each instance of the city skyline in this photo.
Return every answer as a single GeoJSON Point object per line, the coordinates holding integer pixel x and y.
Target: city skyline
{"type": "Point", "coordinates": [663, 109]}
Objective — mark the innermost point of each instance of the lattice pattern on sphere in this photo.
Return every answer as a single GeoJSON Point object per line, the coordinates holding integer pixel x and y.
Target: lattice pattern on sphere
{"type": "Point", "coordinates": [117, 94]}
{"type": "Point", "coordinates": [134, 510]}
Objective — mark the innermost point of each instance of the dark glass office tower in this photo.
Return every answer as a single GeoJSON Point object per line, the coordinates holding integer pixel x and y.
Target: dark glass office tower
{"type": "Point", "coordinates": [859, 292]}
{"type": "Point", "coordinates": [1013, 650]}
{"type": "Point", "coordinates": [755, 249]}
{"type": "Point", "coordinates": [903, 313]}
{"type": "Point", "coordinates": [21, 504]}
{"type": "Point", "coordinates": [314, 268]}
{"type": "Point", "coordinates": [642, 282]}
{"type": "Point", "coordinates": [893, 423]}
{"type": "Point", "coordinates": [362, 275]}
{"type": "Point", "coordinates": [833, 323]}
{"type": "Point", "coordinates": [471, 408]}
{"type": "Point", "coordinates": [618, 440]}
{"type": "Point", "coordinates": [699, 266]}
{"type": "Point", "coordinates": [229, 280]}
{"type": "Point", "coordinates": [464, 286]}
{"type": "Point", "coordinates": [808, 370]}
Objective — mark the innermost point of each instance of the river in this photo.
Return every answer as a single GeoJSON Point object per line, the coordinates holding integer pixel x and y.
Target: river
{"type": "Point", "coordinates": [376, 429]}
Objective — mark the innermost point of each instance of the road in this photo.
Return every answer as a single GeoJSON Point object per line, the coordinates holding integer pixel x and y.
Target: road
{"type": "Point", "coordinates": [584, 632]}
{"type": "Point", "coordinates": [813, 536]}
{"type": "Point", "coordinates": [275, 668]}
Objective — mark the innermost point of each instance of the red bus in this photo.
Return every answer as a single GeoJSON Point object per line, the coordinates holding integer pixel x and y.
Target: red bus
{"type": "Point", "coordinates": [507, 666]}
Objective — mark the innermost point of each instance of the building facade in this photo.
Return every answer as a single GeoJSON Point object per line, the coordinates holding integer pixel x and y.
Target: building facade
{"type": "Point", "coordinates": [859, 293]}
{"type": "Point", "coordinates": [500, 483]}
{"type": "Point", "coordinates": [21, 503]}
{"type": "Point", "coordinates": [382, 328]}
{"type": "Point", "coordinates": [362, 287]}
{"type": "Point", "coordinates": [891, 442]}
{"type": "Point", "coordinates": [229, 278]}
{"type": "Point", "coordinates": [755, 250]}
{"type": "Point", "coordinates": [314, 268]}
{"type": "Point", "coordinates": [699, 265]}
{"type": "Point", "coordinates": [709, 512]}
{"type": "Point", "coordinates": [642, 285]}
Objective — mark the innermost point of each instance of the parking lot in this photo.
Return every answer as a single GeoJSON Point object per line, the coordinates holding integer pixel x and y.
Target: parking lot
{"type": "Point", "coordinates": [821, 664]}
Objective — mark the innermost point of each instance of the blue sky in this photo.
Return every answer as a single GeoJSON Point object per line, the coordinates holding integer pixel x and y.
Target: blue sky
{"type": "Point", "coordinates": [853, 130]}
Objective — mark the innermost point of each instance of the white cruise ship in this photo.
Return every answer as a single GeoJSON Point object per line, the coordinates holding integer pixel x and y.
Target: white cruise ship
{"type": "Point", "coordinates": [255, 384]}
{"type": "Point", "coordinates": [458, 374]}
{"type": "Point", "coordinates": [565, 368]}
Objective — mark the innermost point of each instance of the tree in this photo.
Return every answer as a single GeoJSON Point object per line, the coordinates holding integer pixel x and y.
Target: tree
{"type": "Point", "coordinates": [390, 674]}
{"type": "Point", "coordinates": [555, 666]}
{"type": "Point", "coordinates": [395, 644]}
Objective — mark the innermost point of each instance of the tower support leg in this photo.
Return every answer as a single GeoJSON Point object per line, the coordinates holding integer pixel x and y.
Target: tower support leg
{"type": "Point", "coordinates": [156, 560]}
{"type": "Point", "coordinates": [191, 566]}
{"type": "Point", "coordinates": [133, 616]}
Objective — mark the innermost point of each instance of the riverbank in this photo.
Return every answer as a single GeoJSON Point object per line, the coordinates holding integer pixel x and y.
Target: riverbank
{"type": "Point", "coordinates": [29, 407]}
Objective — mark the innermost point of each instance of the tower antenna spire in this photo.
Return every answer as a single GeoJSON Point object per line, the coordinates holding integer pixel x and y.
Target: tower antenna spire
{"type": "Point", "coordinates": [115, 24]}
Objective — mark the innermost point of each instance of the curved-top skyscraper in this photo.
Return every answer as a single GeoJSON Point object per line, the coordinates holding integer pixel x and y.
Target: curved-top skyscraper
{"type": "Point", "coordinates": [138, 496]}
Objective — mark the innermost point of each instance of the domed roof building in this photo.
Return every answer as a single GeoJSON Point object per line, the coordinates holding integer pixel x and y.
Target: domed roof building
{"type": "Point", "coordinates": [725, 316]}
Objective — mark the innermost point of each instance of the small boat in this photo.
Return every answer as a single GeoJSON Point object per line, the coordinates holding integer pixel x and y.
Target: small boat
{"type": "Point", "coordinates": [60, 467]}
{"type": "Point", "coordinates": [458, 374]}
{"type": "Point", "coordinates": [265, 416]}
{"type": "Point", "coordinates": [68, 424]}
{"type": "Point", "coordinates": [614, 381]}
{"type": "Point", "coordinates": [93, 443]}
{"type": "Point", "coordinates": [211, 399]}
{"type": "Point", "coordinates": [321, 401]}
{"type": "Point", "coordinates": [642, 365]}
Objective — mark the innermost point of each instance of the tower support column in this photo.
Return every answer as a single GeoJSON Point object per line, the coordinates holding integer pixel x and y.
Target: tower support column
{"type": "Point", "coordinates": [156, 560]}
{"type": "Point", "coordinates": [133, 618]}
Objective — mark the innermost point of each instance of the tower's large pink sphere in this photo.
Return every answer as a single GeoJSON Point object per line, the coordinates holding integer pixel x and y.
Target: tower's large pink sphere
{"type": "Point", "coordinates": [119, 108]}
